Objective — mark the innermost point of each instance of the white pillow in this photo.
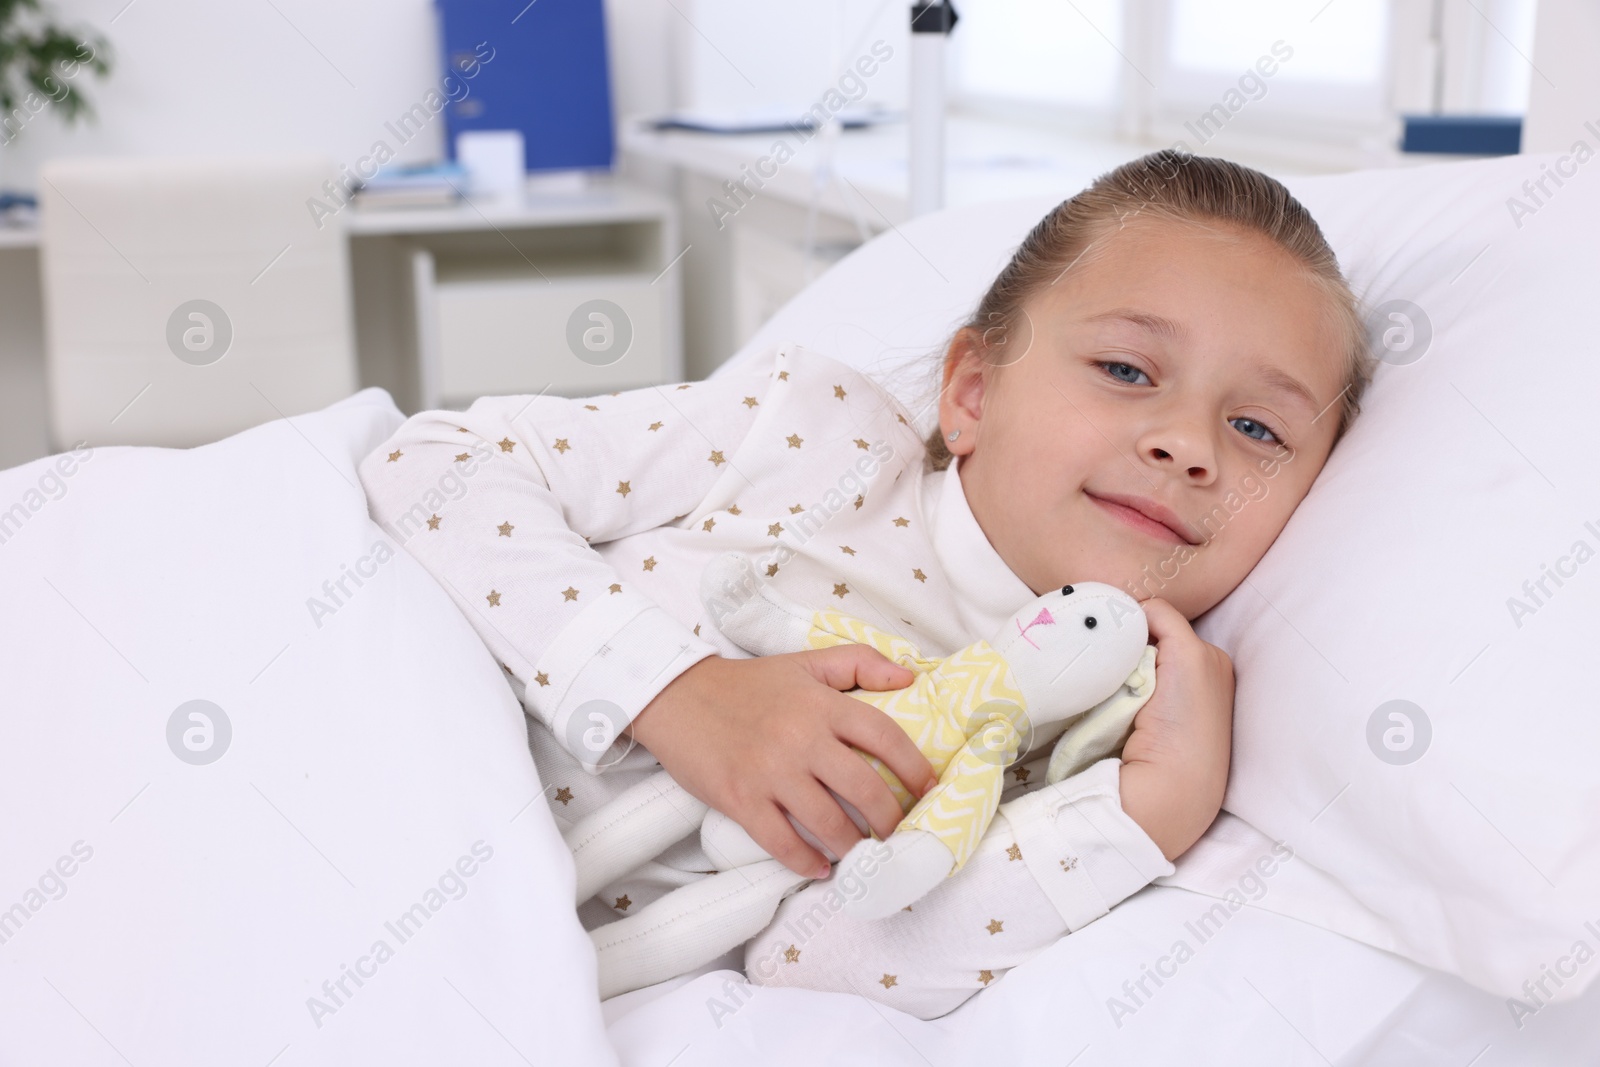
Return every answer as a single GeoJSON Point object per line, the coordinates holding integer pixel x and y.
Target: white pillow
{"type": "Point", "coordinates": [1402, 575]}
{"type": "Point", "coordinates": [156, 908]}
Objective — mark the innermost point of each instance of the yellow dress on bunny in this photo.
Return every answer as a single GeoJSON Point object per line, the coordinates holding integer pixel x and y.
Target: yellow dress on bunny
{"type": "Point", "coordinates": [965, 714]}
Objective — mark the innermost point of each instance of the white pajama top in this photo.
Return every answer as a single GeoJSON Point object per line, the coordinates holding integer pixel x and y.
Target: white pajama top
{"type": "Point", "coordinates": [571, 533]}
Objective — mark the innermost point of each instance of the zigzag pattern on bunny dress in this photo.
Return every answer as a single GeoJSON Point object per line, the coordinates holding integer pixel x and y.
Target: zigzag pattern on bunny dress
{"type": "Point", "coordinates": [965, 714]}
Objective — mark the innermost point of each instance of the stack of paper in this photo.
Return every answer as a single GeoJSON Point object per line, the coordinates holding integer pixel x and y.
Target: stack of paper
{"type": "Point", "coordinates": [415, 185]}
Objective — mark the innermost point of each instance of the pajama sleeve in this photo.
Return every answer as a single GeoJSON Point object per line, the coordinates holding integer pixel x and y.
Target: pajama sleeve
{"type": "Point", "coordinates": [1085, 852]}
{"type": "Point", "coordinates": [502, 502]}
{"type": "Point", "coordinates": [1056, 858]}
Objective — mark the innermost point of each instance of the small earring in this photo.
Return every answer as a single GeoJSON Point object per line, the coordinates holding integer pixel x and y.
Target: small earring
{"type": "Point", "coordinates": [955, 435]}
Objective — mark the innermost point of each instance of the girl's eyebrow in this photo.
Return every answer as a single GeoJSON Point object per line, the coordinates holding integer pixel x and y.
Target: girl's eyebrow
{"type": "Point", "coordinates": [1282, 380]}
{"type": "Point", "coordinates": [1156, 324]}
{"type": "Point", "coordinates": [1272, 377]}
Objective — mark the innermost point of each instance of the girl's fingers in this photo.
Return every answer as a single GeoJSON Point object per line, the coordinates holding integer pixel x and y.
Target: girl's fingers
{"type": "Point", "coordinates": [873, 731]}
{"type": "Point", "coordinates": [1165, 621]}
{"type": "Point", "coordinates": [854, 779]}
{"type": "Point", "coordinates": [846, 667]}
{"type": "Point", "coordinates": [816, 809]}
{"type": "Point", "coordinates": [770, 828]}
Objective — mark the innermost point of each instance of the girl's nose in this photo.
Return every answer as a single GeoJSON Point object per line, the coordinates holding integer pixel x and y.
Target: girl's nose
{"type": "Point", "coordinates": [1182, 447]}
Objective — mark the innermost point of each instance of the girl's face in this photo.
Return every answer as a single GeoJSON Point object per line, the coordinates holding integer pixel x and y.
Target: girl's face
{"type": "Point", "coordinates": [1157, 417]}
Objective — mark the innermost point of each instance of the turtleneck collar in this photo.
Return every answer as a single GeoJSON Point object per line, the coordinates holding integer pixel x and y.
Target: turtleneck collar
{"type": "Point", "coordinates": [987, 592]}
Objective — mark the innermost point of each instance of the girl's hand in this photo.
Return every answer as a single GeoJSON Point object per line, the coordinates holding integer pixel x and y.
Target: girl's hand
{"type": "Point", "coordinates": [755, 738]}
{"type": "Point", "coordinates": [1175, 764]}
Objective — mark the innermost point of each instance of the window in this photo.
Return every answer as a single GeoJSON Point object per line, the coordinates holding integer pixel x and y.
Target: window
{"type": "Point", "coordinates": [1049, 53]}
{"type": "Point", "coordinates": [1494, 42]}
{"type": "Point", "coordinates": [1344, 71]}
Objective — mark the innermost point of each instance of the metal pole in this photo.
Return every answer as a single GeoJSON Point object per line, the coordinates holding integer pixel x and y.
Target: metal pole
{"type": "Point", "coordinates": [931, 23]}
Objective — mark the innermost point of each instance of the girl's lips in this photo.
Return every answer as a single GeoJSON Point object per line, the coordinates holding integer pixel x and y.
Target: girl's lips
{"type": "Point", "coordinates": [1138, 520]}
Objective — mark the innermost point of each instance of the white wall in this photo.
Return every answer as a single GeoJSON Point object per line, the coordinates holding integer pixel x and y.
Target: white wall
{"type": "Point", "coordinates": [1565, 93]}
{"type": "Point", "coordinates": [759, 56]}
{"type": "Point", "coordinates": [322, 75]}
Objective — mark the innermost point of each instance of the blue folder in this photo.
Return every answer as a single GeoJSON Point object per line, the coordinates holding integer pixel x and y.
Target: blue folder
{"type": "Point", "coordinates": [547, 75]}
{"type": "Point", "coordinates": [1478, 135]}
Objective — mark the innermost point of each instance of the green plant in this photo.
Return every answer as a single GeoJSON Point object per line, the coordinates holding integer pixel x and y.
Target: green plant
{"type": "Point", "coordinates": [38, 60]}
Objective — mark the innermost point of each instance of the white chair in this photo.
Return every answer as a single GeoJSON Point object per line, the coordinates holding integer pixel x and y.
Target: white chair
{"type": "Point", "coordinates": [188, 298]}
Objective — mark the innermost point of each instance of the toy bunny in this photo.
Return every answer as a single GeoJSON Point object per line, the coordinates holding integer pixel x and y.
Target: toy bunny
{"type": "Point", "coordinates": [972, 713]}
{"type": "Point", "coordinates": [1075, 658]}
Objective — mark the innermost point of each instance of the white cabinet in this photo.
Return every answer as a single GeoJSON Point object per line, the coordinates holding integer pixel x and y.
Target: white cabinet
{"type": "Point", "coordinates": [571, 295]}
{"type": "Point", "coordinates": [516, 335]}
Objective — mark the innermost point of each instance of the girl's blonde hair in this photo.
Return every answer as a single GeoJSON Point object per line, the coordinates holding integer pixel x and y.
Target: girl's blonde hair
{"type": "Point", "coordinates": [1174, 185]}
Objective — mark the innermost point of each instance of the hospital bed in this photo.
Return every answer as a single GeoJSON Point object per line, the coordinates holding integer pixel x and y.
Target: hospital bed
{"type": "Point", "coordinates": [268, 799]}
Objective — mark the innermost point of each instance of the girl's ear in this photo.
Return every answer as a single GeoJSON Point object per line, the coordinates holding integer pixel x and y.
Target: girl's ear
{"type": "Point", "coordinates": [965, 373]}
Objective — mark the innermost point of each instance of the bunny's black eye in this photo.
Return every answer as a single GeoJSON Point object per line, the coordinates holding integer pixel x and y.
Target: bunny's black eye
{"type": "Point", "coordinates": [1066, 590]}
{"type": "Point", "coordinates": [1089, 621]}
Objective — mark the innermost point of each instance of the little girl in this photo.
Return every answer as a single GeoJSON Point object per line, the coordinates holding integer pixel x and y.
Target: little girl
{"type": "Point", "coordinates": [1143, 397]}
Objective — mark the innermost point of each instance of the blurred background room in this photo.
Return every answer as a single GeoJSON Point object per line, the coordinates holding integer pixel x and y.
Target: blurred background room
{"type": "Point", "coordinates": [213, 215]}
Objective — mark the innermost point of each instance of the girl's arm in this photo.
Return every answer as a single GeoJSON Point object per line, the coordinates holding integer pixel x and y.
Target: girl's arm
{"type": "Point", "coordinates": [501, 503]}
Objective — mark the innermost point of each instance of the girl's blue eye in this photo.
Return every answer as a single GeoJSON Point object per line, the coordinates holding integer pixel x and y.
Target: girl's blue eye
{"type": "Point", "coordinates": [1122, 371]}
{"type": "Point", "coordinates": [1249, 428]}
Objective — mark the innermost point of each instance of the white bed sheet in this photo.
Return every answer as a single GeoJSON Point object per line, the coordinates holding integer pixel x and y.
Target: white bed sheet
{"type": "Point", "coordinates": [1257, 988]}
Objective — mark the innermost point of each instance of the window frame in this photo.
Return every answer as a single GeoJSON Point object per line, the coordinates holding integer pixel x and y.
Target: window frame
{"type": "Point", "coordinates": [1325, 122]}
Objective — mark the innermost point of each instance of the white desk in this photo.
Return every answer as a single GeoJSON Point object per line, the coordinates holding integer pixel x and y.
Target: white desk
{"type": "Point", "coordinates": [746, 266]}
{"type": "Point", "coordinates": [609, 232]}
{"type": "Point", "coordinates": [601, 201]}
{"type": "Point", "coordinates": [985, 160]}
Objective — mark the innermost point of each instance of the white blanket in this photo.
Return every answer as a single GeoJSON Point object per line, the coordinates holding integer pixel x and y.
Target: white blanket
{"type": "Point", "coordinates": [376, 757]}
{"type": "Point", "coordinates": [374, 747]}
